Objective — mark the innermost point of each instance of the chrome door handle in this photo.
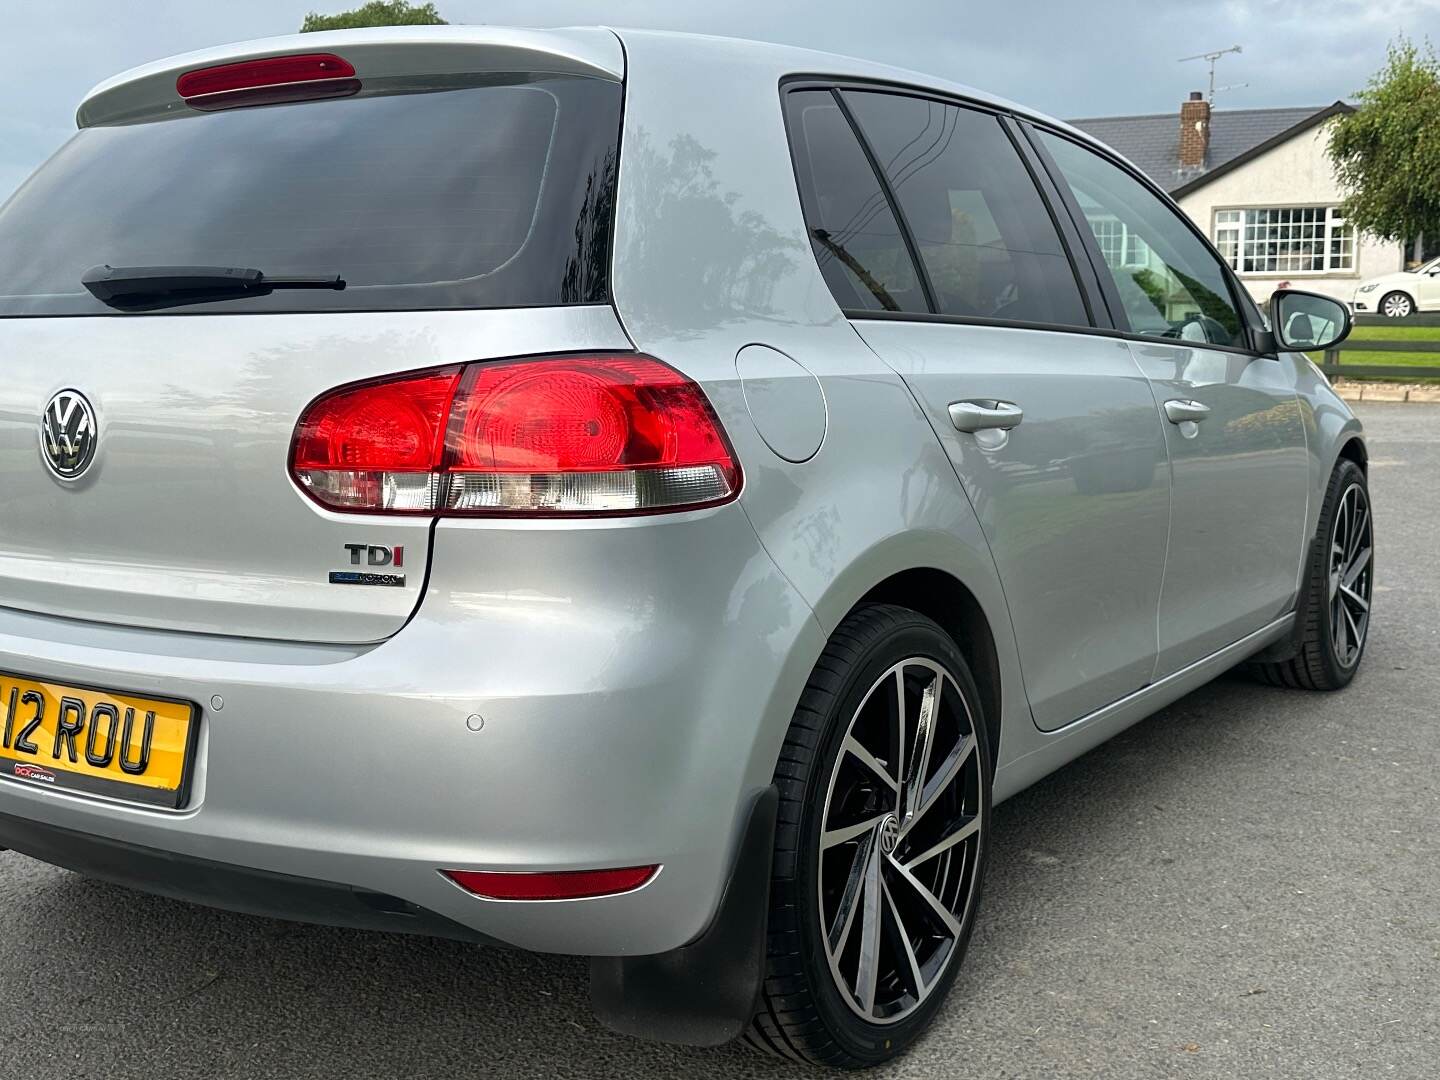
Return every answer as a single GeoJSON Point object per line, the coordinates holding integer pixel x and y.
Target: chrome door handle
{"type": "Point", "coordinates": [982, 413]}
{"type": "Point", "coordinates": [1179, 410]}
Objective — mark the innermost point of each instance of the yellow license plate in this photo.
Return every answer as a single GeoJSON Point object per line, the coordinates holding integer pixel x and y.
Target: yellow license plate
{"type": "Point", "coordinates": [100, 742]}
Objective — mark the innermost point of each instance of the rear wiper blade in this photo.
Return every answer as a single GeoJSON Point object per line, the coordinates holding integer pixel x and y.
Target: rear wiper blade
{"type": "Point", "coordinates": [131, 283]}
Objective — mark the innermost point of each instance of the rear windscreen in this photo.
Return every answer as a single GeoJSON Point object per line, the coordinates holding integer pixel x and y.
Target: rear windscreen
{"type": "Point", "coordinates": [493, 195]}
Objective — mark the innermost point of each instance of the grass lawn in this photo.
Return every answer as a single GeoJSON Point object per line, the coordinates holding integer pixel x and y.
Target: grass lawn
{"type": "Point", "coordinates": [1390, 333]}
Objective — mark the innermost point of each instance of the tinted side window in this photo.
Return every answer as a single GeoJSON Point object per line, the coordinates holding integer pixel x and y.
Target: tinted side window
{"type": "Point", "coordinates": [856, 240]}
{"type": "Point", "coordinates": [983, 232]}
{"type": "Point", "coordinates": [1170, 283]}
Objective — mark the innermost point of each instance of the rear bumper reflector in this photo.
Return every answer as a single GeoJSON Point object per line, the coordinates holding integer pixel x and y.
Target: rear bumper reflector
{"type": "Point", "coordinates": [562, 885]}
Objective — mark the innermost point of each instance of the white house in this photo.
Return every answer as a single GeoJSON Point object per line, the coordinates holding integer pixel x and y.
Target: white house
{"type": "Point", "coordinates": [1259, 182]}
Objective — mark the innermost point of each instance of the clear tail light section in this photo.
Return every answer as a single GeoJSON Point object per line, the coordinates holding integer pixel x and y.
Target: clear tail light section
{"type": "Point", "coordinates": [615, 434]}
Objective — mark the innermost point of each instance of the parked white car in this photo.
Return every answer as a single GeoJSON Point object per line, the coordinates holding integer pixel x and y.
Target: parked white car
{"type": "Point", "coordinates": [1401, 293]}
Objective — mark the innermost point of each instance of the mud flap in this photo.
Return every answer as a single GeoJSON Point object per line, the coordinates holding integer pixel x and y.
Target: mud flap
{"type": "Point", "coordinates": [704, 993]}
{"type": "Point", "coordinates": [1288, 647]}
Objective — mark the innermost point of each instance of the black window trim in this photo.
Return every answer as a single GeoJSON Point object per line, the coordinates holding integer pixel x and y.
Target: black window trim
{"type": "Point", "coordinates": [1072, 239]}
{"type": "Point", "coordinates": [1097, 301]}
{"type": "Point", "coordinates": [980, 320]}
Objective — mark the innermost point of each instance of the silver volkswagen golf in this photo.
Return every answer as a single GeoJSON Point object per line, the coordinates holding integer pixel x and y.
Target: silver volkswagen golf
{"type": "Point", "coordinates": [626, 494]}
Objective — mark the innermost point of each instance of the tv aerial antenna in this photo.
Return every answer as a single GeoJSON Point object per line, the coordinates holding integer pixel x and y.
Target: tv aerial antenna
{"type": "Point", "coordinates": [1212, 57]}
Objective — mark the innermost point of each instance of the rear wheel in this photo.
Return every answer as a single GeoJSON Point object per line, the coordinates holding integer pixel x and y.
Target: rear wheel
{"type": "Point", "coordinates": [1397, 305]}
{"type": "Point", "coordinates": [884, 785]}
{"type": "Point", "coordinates": [1335, 622]}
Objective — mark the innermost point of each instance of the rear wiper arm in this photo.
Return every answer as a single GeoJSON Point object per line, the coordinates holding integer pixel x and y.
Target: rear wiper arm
{"type": "Point", "coordinates": [131, 283]}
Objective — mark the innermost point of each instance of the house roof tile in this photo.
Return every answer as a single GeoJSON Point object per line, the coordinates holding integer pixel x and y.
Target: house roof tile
{"type": "Point", "coordinates": [1152, 142]}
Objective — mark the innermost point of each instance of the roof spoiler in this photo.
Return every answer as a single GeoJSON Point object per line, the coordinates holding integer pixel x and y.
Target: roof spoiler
{"type": "Point", "coordinates": [148, 92]}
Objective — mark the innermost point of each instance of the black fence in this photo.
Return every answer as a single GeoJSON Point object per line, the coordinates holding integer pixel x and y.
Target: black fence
{"type": "Point", "coordinates": [1356, 342]}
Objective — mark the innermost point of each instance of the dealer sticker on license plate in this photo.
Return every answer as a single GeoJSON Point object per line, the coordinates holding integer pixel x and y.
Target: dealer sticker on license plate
{"type": "Point", "coordinates": [95, 741]}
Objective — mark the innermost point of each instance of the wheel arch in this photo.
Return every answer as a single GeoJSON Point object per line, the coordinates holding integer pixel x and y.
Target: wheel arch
{"type": "Point", "coordinates": [946, 573]}
{"type": "Point", "coordinates": [942, 597]}
{"type": "Point", "coordinates": [1414, 306]}
{"type": "Point", "coordinates": [1345, 444]}
{"type": "Point", "coordinates": [1332, 433]}
{"type": "Point", "coordinates": [1353, 449]}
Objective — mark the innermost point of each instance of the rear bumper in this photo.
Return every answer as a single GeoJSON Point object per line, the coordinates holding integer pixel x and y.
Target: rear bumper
{"type": "Point", "coordinates": [233, 888]}
{"type": "Point", "coordinates": [635, 679]}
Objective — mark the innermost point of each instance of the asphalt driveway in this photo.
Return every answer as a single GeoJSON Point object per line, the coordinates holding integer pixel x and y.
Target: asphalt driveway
{"type": "Point", "coordinates": [1247, 884]}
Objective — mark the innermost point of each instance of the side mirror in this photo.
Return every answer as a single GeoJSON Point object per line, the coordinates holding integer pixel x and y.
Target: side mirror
{"type": "Point", "coordinates": [1305, 321]}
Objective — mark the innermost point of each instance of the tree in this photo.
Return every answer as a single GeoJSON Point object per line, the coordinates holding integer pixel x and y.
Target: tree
{"type": "Point", "coordinates": [1387, 152]}
{"type": "Point", "coordinates": [1151, 285]}
{"type": "Point", "coordinates": [375, 13]}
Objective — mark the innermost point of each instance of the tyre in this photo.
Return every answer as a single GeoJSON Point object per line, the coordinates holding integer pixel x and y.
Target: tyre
{"type": "Point", "coordinates": [880, 850]}
{"type": "Point", "coordinates": [1396, 305]}
{"type": "Point", "coordinates": [1335, 621]}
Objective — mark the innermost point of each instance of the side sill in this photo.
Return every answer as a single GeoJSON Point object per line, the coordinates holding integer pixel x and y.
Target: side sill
{"type": "Point", "coordinates": [1067, 743]}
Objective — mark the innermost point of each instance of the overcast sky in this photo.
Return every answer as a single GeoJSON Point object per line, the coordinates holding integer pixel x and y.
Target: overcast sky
{"type": "Point", "coordinates": [1070, 58]}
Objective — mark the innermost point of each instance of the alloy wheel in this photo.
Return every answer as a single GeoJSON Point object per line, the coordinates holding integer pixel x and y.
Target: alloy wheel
{"type": "Point", "coordinates": [900, 841]}
{"type": "Point", "coordinates": [1351, 575]}
{"type": "Point", "coordinates": [1396, 306]}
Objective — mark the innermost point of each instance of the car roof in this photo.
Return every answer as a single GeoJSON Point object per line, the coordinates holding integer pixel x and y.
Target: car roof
{"type": "Point", "coordinates": [796, 59]}
{"type": "Point", "coordinates": [592, 50]}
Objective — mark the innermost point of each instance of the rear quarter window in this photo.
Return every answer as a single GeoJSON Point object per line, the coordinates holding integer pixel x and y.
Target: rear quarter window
{"type": "Point", "coordinates": [492, 195]}
{"type": "Point", "coordinates": [855, 237]}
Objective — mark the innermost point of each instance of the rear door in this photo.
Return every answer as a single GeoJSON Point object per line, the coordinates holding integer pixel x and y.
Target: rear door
{"type": "Point", "coordinates": [1233, 427]}
{"type": "Point", "coordinates": [1051, 427]}
{"type": "Point", "coordinates": [468, 216]}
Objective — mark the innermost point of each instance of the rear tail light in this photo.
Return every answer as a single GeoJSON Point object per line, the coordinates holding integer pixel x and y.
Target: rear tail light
{"type": "Point", "coordinates": [565, 885]}
{"type": "Point", "coordinates": [268, 80]}
{"type": "Point", "coordinates": [562, 435]}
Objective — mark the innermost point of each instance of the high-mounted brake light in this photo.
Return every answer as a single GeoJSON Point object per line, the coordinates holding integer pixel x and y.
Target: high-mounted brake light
{"type": "Point", "coordinates": [565, 885]}
{"type": "Point", "coordinates": [562, 435]}
{"type": "Point", "coordinates": [269, 80]}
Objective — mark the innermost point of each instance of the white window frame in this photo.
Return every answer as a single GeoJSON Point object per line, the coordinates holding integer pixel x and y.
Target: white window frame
{"type": "Point", "coordinates": [1246, 242]}
{"type": "Point", "coordinates": [1132, 251]}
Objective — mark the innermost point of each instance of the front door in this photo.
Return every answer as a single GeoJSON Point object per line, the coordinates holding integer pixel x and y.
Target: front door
{"type": "Point", "coordinates": [1233, 425]}
{"type": "Point", "coordinates": [1427, 287]}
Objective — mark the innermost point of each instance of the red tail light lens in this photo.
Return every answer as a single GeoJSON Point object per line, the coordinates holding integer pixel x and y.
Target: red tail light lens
{"type": "Point", "coordinates": [376, 446]}
{"type": "Point", "coordinates": [274, 78]}
{"type": "Point", "coordinates": [566, 885]}
{"type": "Point", "coordinates": [583, 435]}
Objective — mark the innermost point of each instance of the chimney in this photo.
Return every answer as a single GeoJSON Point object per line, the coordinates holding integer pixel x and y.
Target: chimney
{"type": "Point", "coordinates": [1194, 131]}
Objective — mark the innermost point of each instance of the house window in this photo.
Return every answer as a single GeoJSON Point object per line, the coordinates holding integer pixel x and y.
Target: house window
{"type": "Point", "coordinates": [1285, 240]}
{"type": "Point", "coordinates": [1118, 245]}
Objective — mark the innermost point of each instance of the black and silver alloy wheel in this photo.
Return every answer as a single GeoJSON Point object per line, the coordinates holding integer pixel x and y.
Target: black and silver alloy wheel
{"type": "Point", "coordinates": [899, 838]}
{"type": "Point", "coordinates": [1397, 305]}
{"type": "Point", "coordinates": [880, 848]}
{"type": "Point", "coordinates": [1351, 577]}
